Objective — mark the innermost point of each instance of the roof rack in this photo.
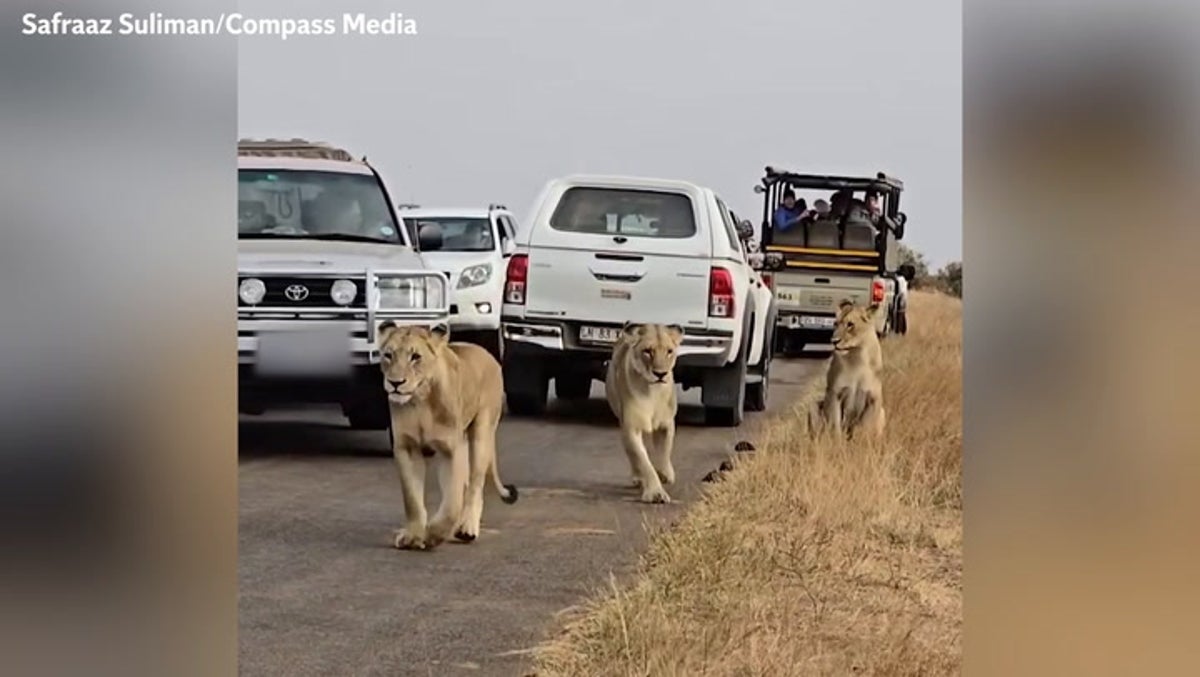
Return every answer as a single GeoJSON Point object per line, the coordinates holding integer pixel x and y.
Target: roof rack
{"type": "Point", "coordinates": [407, 205]}
{"type": "Point", "coordinates": [494, 206]}
{"type": "Point", "coordinates": [293, 148]}
{"type": "Point", "coordinates": [881, 181]}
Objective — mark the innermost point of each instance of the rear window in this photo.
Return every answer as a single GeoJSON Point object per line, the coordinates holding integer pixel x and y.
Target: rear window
{"type": "Point", "coordinates": [636, 213]}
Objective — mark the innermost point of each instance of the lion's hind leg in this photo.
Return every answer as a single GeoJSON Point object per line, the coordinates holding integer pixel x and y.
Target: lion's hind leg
{"type": "Point", "coordinates": [481, 437]}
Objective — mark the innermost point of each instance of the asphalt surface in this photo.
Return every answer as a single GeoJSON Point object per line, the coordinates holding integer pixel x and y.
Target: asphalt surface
{"type": "Point", "coordinates": [322, 592]}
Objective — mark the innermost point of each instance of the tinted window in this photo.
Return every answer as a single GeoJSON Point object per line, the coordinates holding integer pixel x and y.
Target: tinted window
{"type": "Point", "coordinates": [636, 213]}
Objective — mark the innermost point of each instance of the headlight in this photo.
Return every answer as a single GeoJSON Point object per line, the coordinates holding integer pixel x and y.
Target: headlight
{"type": "Point", "coordinates": [475, 276]}
{"type": "Point", "coordinates": [343, 292]}
{"type": "Point", "coordinates": [412, 293]}
{"type": "Point", "coordinates": [252, 290]}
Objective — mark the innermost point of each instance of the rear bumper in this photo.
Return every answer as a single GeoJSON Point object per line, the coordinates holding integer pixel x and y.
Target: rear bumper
{"type": "Point", "coordinates": [805, 320]}
{"type": "Point", "coordinates": [700, 348]}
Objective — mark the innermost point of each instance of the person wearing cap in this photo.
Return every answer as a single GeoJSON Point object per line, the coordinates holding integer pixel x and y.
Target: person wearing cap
{"type": "Point", "coordinates": [789, 213]}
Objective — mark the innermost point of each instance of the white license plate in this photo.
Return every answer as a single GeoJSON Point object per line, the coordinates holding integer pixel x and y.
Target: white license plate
{"type": "Point", "coordinates": [810, 322]}
{"type": "Point", "coordinates": [599, 334]}
{"type": "Point", "coordinates": [304, 353]}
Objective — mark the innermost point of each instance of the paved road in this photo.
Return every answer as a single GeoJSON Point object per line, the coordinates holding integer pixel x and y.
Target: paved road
{"type": "Point", "coordinates": [323, 593]}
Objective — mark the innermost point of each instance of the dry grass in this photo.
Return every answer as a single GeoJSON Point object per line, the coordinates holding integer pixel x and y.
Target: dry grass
{"type": "Point", "coordinates": [825, 558]}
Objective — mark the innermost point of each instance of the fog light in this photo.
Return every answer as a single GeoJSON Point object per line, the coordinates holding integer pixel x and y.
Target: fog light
{"type": "Point", "coordinates": [483, 308]}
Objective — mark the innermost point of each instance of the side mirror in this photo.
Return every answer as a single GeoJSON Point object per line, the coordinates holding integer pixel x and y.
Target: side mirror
{"type": "Point", "coordinates": [759, 189]}
{"type": "Point", "coordinates": [901, 219]}
{"type": "Point", "coordinates": [773, 261]}
{"type": "Point", "coordinates": [507, 248]}
{"type": "Point", "coordinates": [745, 230]}
{"type": "Point", "coordinates": [429, 237]}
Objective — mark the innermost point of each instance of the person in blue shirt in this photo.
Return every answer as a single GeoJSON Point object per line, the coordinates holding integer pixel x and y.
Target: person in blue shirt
{"type": "Point", "coordinates": [789, 213]}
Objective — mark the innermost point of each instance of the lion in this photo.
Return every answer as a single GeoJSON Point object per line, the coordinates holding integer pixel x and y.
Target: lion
{"type": "Point", "coordinates": [640, 387]}
{"type": "Point", "coordinates": [853, 390]}
{"type": "Point", "coordinates": [446, 400]}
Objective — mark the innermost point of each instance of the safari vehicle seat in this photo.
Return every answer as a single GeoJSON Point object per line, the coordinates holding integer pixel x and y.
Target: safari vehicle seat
{"type": "Point", "coordinates": [859, 235]}
{"type": "Point", "coordinates": [823, 234]}
{"type": "Point", "coordinates": [790, 238]}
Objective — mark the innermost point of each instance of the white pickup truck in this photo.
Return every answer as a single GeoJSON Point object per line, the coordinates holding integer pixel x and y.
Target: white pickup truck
{"type": "Point", "coordinates": [600, 251]}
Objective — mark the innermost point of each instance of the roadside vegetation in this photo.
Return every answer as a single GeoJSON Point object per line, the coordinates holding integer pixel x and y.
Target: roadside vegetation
{"type": "Point", "coordinates": [947, 279]}
{"type": "Point", "coordinates": [808, 558]}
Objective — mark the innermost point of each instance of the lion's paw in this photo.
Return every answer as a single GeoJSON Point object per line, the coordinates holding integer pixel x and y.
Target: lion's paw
{"type": "Point", "coordinates": [666, 475]}
{"type": "Point", "coordinates": [464, 535]}
{"type": "Point", "coordinates": [658, 495]}
{"type": "Point", "coordinates": [407, 540]}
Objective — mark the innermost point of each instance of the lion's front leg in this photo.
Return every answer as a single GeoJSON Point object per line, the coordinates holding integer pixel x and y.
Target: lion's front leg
{"type": "Point", "coordinates": [452, 480]}
{"type": "Point", "coordinates": [410, 465]}
{"type": "Point", "coordinates": [633, 439]}
{"type": "Point", "coordinates": [663, 440]}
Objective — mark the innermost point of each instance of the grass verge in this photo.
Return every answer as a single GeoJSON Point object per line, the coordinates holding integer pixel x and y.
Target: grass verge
{"type": "Point", "coordinates": [809, 558]}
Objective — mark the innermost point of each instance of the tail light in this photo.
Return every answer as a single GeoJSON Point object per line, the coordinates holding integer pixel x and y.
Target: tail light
{"type": "Point", "coordinates": [515, 279]}
{"type": "Point", "coordinates": [720, 293]}
{"type": "Point", "coordinates": [877, 291]}
{"type": "Point", "coordinates": [769, 280]}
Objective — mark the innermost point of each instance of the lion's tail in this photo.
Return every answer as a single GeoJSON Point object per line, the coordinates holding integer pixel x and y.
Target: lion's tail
{"type": "Point", "coordinates": [508, 492]}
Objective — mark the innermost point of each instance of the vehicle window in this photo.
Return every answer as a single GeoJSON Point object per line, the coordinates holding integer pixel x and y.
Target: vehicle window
{"type": "Point", "coordinates": [460, 234]}
{"type": "Point", "coordinates": [502, 228]}
{"type": "Point", "coordinates": [637, 213]}
{"type": "Point", "coordinates": [730, 229]}
{"type": "Point", "coordinates": [289, 203]}
{"type": "Point", "coordinates": [511, 225]}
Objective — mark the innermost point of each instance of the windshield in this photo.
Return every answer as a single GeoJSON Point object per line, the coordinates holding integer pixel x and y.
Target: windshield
{"type": "Point", "coordinates": [306, 204]}
{"type": "Point", "coordinates": [459, 234]}
{"type": "Point", "coordinates": [641, 213]}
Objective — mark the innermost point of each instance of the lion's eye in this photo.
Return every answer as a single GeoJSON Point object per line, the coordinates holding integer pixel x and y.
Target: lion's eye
{"type": "Point", "coordinates": [647, 352]}
{"type": "Point", "coordinates": [670, 351]}
{"type": "Point", "coordinates": [387, 355]}
{"type": "Point", "coordinates": [849, 325]}
{"type": "Point", "coordinates": [416, 357]}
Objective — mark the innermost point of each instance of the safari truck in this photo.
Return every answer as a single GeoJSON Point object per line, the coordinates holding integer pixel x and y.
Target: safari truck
{"type": "Point", "coordinates": [323, 260]}
{"type": "Point", "coordinates": [849, 250]}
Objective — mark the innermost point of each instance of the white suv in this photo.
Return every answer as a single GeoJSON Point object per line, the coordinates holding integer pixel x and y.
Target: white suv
{"type": "Point", "coordinates": [322, 262]}
{"type": "Point", "coordinates": [604, 250]}
{"type": "Point", "coordinates": [474, 245]}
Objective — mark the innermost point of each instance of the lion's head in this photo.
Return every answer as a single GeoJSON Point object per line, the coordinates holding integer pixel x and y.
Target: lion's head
{"type": "Point", "coordinates": [409, 357]}
{"type": "Point", "coordinates": [652, 350]}
{"type": "Point", "coordinates": [854, 325]}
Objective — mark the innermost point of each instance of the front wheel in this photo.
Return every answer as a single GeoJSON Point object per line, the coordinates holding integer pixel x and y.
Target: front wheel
{"type": "Point", "coordinates": [756, 392]}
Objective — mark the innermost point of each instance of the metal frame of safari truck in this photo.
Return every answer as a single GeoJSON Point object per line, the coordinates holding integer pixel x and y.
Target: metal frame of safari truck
{"type": "Point", "coordinates": [851, 260]}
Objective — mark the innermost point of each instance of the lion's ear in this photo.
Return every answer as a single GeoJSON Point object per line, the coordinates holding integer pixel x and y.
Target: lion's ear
{"type": "Point", "coordinates": [631, 329]}
{"type": "Point", "coordinates": [846, 304]}
{"type": "Point", "coordinates": [384, 330]}
{"type": "Point", "coordinates": [676, 332]}
{"type": "Point", "coordinates": [872, 309]}
{"type": "Point", "coordinates": [440, 333]}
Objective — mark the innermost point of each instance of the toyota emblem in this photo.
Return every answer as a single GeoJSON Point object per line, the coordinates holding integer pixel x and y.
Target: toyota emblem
{"type": "Point", "coordinates": [296, 292]}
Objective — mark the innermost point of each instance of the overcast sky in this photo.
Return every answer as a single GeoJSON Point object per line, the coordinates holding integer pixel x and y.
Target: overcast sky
{"type": "Point", "coordinates": [492, 99]}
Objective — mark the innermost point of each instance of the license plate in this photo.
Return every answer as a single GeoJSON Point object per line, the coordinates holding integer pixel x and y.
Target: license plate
{"type": "Point", "coordinates": [599, 334]}
{"type": "Point", "coordinates": [304, 353]}
{"type": "Point", "coordinates": [810, 322]}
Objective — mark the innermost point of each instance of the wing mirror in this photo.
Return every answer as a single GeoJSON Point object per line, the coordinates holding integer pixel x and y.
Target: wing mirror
{"type": "Point", "coordinates": [759, 189]}
{"type": "Point", "coordinates": [901, 219]}
{"type": "Point", "coordinates": [429, 237]}
{"type": "Point", "coordinates": [773, 261]}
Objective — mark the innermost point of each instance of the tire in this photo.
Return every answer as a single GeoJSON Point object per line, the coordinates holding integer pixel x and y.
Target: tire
{"type": "Point", "coordinates": [756, 393]}
{"type": "Point", "coordinates": [493, 343]}
{"type": "Point", "coordinates": [371, 414]}
{"type": "Point", "coordinates": [572, 387]}
{"type": "Point", "coordinates": [526, 388]}
{"type": "Point", "coordinates": [724, 394]}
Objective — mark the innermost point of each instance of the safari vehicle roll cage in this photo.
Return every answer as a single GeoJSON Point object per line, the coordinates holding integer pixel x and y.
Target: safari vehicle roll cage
{"type": "Point", "coordinates": [890, 226]}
